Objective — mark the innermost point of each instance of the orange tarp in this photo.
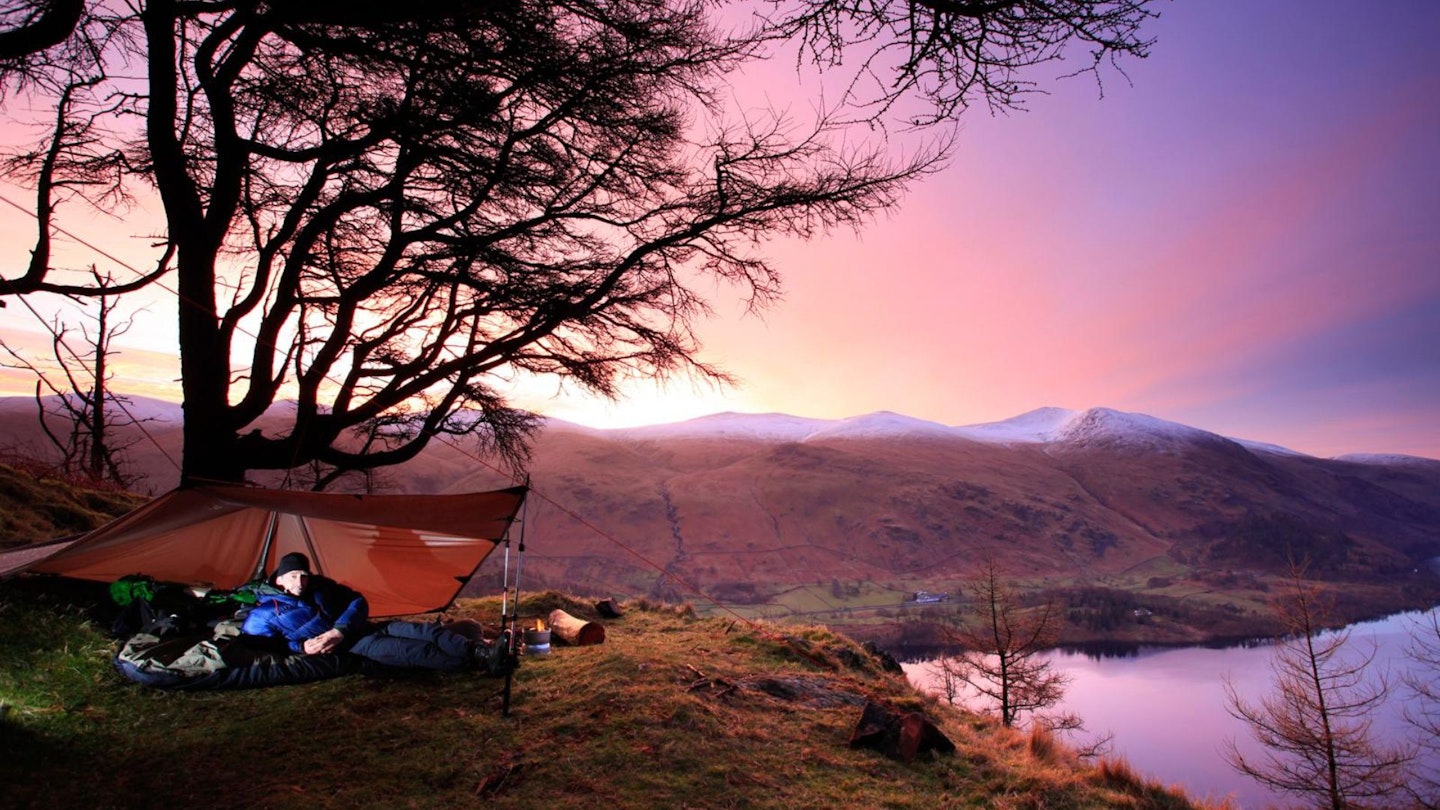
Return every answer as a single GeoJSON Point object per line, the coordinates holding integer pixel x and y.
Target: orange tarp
{"type": "Point", "coordinates": [406, 553]}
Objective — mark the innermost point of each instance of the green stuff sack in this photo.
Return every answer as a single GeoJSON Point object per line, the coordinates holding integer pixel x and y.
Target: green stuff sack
{"type": "Point", "coordinates": [125, 590]}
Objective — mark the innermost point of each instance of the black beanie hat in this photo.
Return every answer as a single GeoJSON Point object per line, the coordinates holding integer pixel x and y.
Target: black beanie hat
{"type": "Point", "coordinates": [294, 561]}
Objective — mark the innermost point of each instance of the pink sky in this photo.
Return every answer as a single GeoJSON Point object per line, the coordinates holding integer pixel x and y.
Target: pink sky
{"type": "Point", "coordinates": [1245, 240]}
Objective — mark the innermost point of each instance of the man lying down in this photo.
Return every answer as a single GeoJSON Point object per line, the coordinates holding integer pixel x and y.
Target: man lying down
{"type": "Point", "coordinates": [317, 615]}
{"type": "Point", "coordinates": [304, 627]}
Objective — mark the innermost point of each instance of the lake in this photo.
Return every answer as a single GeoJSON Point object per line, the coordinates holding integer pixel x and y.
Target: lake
{"type": "Point", "coordinates": [1166, 706]}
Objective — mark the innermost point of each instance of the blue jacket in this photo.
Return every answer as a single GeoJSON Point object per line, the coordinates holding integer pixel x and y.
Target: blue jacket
{"type": "Point", "coordinates": [324, 604]}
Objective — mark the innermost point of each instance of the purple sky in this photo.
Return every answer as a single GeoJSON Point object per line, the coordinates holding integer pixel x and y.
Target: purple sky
{"type": "Point", "coordinates": [1247, 240]}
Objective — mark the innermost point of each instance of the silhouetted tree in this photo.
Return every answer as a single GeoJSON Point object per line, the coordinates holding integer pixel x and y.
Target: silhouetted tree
{"type": "Point", "coordinates": [389, 212]}
{"type": "Point", "coordinates": [386, 211]}
{"type": "Point", "coordinates": [28, 27]}
{"type": "Point", "coordinates": [1422, 711]}
{"type": "Point", "coordinates": [1316, 723]}
{"type": "Point", "coordinates": [77, 407]}
{"type": "Point", "coordinates": [952, 53]}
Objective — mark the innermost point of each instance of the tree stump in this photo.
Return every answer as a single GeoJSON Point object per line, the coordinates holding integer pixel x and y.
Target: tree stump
{"type": "Point", "coordinates": [577, 632]}
{"type": "Point", "coordinates": [898, 736]}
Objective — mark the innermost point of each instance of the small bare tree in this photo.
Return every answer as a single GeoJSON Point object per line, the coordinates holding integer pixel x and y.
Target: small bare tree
{"type": "Point", "coordinates": [1000, 661]}
{"type": "Point", "coordinates": [1316, 724]}
{"type": "Point", "coordinates": [999, 651]}
{"type": "Point", "coordinates": [77, 407]}
{"type": "Point", "coordinates": [1422, 711]}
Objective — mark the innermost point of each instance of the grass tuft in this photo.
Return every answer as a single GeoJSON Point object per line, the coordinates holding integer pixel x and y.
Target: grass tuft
{"type": "Point", "coordinates": [1046, 747]}
{"type": "Point", "coordinates": [1116, 772]}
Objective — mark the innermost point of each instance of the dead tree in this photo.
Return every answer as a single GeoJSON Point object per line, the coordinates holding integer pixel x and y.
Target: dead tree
{"type": "Point", "coordinates": [78, 410]}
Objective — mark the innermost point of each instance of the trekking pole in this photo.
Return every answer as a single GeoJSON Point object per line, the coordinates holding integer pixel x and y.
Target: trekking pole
{"type": "Point", "coordinates": [505, 584]}
{"type": "Point", "coordinates": [512, 651]}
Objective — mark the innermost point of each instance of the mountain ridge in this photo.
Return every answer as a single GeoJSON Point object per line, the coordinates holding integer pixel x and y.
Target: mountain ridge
{"type": "Point", "coordinates": [844, 520]}
{"type": "Point", "coordinates": [836, 519]}
{"type": "Point", "coordinates": [1039, 426]}
{"type": "Point", "coordinates": [1043, 425]}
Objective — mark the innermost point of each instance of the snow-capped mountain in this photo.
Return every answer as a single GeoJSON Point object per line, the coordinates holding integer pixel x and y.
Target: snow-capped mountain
{"type": "Point", "coordinates": [1049, 426]}
{"type": "Point", "coordinates": [757, 426]}
{"type": "Point", "coordinates": [1041, 426]}
{"type": "Point", "coordinates": [881, 424]}
{"type": "Point", "coordinates": [1103, 425]}
{"type": "Point", "coordinates": [1034, 427]}
{"type": "Point", "coordinates": [1383, 459]}
{"type": "Point", "coordinates": [745, 505]}
{"type": "Point", "coordinates": [736, 503]}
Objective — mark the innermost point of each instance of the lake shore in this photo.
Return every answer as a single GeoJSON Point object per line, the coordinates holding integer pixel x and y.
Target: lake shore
{"type": "Point", "coordinates": [1119, 619]}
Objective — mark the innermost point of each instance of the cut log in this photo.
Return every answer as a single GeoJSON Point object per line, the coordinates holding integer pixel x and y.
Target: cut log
{"type": "Point", "coordinates": [577, 632]}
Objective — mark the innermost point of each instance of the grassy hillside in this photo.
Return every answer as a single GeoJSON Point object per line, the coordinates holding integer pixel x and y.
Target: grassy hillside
{"type": "Point", "coordinates": [1193, 536]}
{"type": "Point", "coordinates": [1172, 540]}
{"type": "Point", "coordinates": [671, 711]}
{"type": "Point", "coordinates": [40, 506]}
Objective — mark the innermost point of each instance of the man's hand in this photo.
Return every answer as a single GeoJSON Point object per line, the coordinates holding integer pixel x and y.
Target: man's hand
{"type": "Point", "coordinates": [327, 641]}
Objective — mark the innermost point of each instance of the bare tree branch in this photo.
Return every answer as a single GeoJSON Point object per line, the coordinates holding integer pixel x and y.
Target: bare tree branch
{"type": "Point", "coordinates": [390, 212]}
{"type": "Point", "coordinates": [1316, 724]}
{"type": "Point", "coordinates": [1422, 711]}
{"type": "Point", "coordinates": [952, 53]}
{"type": "Point", "coordinates": [26, 28]}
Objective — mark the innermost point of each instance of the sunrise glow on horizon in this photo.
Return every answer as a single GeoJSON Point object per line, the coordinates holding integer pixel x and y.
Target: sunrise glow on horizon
{"type": "Point", "coordinates": [1242, 238]}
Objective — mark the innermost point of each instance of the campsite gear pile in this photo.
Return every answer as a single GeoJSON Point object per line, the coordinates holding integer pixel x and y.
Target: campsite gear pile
{"type": "Point", "coordinates": [176, 637]}
{"type": "Point", "coordinates": [408, 554]}
{"type": "Point", "coordinates": [193, 641]}
{"type": "Point", "coordinates": [182, 565]}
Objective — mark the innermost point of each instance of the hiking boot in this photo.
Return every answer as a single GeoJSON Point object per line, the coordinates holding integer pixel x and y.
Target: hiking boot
{"type": "Point", "coordinates": [495, 658]}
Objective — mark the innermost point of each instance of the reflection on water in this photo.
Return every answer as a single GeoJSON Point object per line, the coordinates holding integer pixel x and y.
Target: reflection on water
{"type": "Point", "coordinates": [1166, 705]}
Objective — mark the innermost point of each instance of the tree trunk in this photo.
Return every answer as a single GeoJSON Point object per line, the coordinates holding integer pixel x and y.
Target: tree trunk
{"type": "Point", "coordinates": [575, 631]}
{"type": "Point", "coordinates": [212, 453]}
{"type": "Point", "coordinates": [896, 735]}
{"type": "Point", "coordinates": [97, 394]}
{"type": "Point", "coordinates": [211, 450]}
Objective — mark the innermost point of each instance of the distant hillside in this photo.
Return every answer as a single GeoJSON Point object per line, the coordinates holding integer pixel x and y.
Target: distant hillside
{"type": "Point", "coordinates": [1117, 514]}
{"type": "Point", "coordinates": [844, 520]}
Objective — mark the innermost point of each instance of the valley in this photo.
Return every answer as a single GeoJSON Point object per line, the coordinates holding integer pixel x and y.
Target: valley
{"type": "Point", "coordinates": [1139, 529]}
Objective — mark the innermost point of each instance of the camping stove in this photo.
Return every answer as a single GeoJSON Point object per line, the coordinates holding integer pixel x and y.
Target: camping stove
{"type": "Point", "coordinates": [537, 641]}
